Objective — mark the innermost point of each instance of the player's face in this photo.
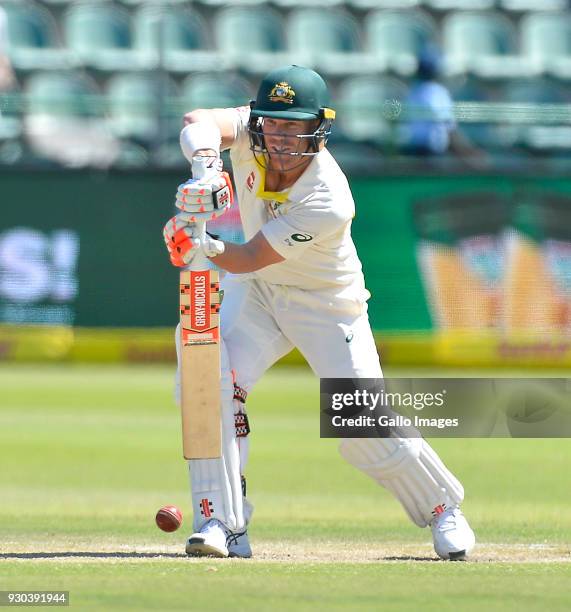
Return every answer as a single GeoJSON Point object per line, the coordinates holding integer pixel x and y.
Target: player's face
{"type": "Point", "coordinates": [286, 140]}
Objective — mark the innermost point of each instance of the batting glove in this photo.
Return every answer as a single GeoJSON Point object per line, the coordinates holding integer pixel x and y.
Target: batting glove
{"type": "Point", "coordinates": [183, 244]}
{"type": "Point", "coordinates": [204, 199]}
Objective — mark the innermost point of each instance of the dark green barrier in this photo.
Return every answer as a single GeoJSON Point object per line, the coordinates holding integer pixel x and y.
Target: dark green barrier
{"type": "Point", "coordinates": [86, 247]}
{"type": "Point", "coordinates": [122, 273]}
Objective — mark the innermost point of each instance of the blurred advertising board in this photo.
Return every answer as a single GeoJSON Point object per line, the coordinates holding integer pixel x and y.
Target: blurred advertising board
{"type": "Point", "coordinates": [466, 270]}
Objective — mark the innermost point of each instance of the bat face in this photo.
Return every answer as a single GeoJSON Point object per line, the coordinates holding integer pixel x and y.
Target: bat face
{"type": "Point", "coordinates": [200, 367]}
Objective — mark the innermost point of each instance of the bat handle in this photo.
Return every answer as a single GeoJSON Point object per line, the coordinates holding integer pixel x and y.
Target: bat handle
{"type": "Point", "coordinates": [200, 261]}
{"type": "Point", "coordinates": [203, 166]}
{"type": "Point", "coordinates": [201, 169]}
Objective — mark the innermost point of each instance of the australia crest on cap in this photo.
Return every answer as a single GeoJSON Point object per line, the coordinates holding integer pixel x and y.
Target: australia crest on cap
{"type": "Point", "coordinates": [282, 92]}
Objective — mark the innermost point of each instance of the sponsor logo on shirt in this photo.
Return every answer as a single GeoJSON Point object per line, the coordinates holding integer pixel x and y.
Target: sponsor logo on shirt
{"type": "Point", "coordinates": [251, 180]}
{"type": "Point", "coordinates": [298, 237]}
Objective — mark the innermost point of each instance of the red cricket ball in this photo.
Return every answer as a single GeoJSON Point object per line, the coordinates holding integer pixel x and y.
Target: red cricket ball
{"type": "Point", "coordinates": [169, 518]}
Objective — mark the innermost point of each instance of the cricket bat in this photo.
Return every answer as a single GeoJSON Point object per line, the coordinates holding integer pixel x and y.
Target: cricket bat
{"type": "Point", "coordinates": [200, 350]}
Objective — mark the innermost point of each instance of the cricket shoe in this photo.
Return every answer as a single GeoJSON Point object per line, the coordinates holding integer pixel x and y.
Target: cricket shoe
{"type": "Point", "coordinates": [453, 537]}
{"type": "Point", "coordinates": [216, 540]}
{"type": "Point", "coordinates": [239, 545]}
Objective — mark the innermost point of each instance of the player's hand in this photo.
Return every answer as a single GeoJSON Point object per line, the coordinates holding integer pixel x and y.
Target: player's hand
{"type": "Point", "coordinates": [204, 199]}
{"type": "Point", "coordinates": [181, 240]}
{"type": "Point", "coordinates": [183, 243]}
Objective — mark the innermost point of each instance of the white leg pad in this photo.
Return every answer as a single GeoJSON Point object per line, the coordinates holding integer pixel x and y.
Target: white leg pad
{"type": "Point", "coordinates": [410, 469]}
{"type": "Point", "coordinates": [215, 484]}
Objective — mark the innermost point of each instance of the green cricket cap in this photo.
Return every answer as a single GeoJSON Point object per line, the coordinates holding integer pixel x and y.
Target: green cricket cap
{"type": "Point", "coordinates": [292, 92]}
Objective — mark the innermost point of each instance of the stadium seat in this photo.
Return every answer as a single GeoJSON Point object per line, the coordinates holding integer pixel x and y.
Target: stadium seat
{"type": "Point", "coordinates": [100, 36]}
{"type": "Point", "coordinates": [234, 3]}
{"type": "Point", "coordinates": [533, 5]}
{"type": "Point", "coordinates": [384, 4]}
{"type": "Point", "coordinates": [533, 108]}
{"type": "Point", "coordinates": [143, 107]}
{"type": "Point", "coordinates": [184, 35]}
{"type": "Point", "coordinates": [10, 117]}
{"type": "Point", "coordinates": [57, 3]}
{"type": "Point", "coordinates": [153, 2]}
{"type": "Point", "coordinates": [470, 96]}
{"type": "Point", "coordinates": [328, 40]}
{"type": "Point", "coordinates": [67, 94]}
{"type": "Point", "coordinates": [534, 91]}
{"type": "Point", "coordinates": [132, 156]}
{"type": "Point", "coordinates": [546, 41]}
{"type": "Point", "coordinates": [460, 5]}
{"type": "Point", "coordinates": [33, 38]}
{"type": "Point", "coordinates": [65, 120]}
{"type": "Point", "coordinates": [483, 43]}
{"type": "Point", "coordinates": [368, 107]}
{"type": "Point", "coordinates": [395, 38]}
{"type": "Point", "coordinates": [260, 45]}
{"type": "Point", "coordinates": [215, 91]}
{"type": "Point", "coordinates": [308, 3]}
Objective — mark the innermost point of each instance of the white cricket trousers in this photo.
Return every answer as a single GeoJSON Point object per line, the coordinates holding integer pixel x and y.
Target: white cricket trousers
{"type": "Point", "coordinates": [260, 323]}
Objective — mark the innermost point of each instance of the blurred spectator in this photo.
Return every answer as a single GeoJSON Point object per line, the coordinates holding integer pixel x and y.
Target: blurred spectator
{"type": "Point", "coordinates": [429, 127]}
{"type": "Point", "coordinates": [7, 79]}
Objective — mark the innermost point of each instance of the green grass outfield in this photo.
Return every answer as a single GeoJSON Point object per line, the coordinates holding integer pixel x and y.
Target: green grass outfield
{"type": "Point", "coordinates": [88, 454]}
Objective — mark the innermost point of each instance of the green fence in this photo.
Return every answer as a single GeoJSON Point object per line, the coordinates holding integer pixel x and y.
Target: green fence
{"type": "Point", "coordinates": [85, 247]}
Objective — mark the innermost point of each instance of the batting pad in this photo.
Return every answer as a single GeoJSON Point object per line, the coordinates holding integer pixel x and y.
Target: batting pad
{"type": "Point", "coordinates": [216, 484]}
{"type": "Point", "coordinates": [410, 470]}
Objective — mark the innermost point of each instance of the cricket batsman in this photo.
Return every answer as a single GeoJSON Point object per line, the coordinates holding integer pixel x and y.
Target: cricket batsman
{"type": "Point", "coordinates": [296, 282]}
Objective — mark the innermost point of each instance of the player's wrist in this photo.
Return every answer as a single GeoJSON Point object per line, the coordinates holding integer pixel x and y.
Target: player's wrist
{"type": "Point", "coordinates": [202, 135]}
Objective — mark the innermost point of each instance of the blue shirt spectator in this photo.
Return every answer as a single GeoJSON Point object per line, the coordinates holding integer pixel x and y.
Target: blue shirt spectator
{"type": "Point", "coordinates": [429, 128]}
{"type": "Point", "coordinates": [432, 118]}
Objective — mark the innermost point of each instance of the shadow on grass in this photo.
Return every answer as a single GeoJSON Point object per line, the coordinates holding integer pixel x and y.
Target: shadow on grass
{"type": "Point", "coordinates": [410, 558]}
{"type": "Point", "coordinates": [91, 554]}
{"type": "Point", "coordinates": [157, 555]}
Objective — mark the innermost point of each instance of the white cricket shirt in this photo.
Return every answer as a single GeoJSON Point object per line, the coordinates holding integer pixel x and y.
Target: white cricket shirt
{"type": "Point", "coordinates": [309, 224]}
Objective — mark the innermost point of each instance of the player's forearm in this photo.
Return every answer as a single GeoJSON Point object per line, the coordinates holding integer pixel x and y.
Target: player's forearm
{"type": "Point", "coordinates": [238, 259]}
{"type": "Point", "coordinates": [256, 254]}
{"type": "Point", "coordinates": [220, 116]}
